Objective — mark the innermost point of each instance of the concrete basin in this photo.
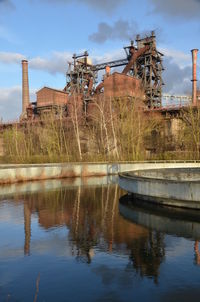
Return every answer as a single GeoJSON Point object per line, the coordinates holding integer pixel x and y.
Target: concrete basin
{"type": "Point", "coordinates": [179, 187]}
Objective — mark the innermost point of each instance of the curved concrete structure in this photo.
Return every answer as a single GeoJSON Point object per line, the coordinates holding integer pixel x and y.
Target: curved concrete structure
{"type": "Point", "coordinates": [172, 221]}
{"type": "Point", "coordinates": [172, 187]}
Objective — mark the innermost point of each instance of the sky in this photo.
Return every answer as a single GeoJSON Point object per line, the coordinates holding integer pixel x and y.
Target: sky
{"type": "Point", "coordinates": [48, 32]}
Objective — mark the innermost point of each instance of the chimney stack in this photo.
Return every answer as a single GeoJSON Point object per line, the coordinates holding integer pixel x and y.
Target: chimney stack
{"type": "Point", "coordinates": [194, 76]}
{"type": "Point", "coordinates": [25, 87]}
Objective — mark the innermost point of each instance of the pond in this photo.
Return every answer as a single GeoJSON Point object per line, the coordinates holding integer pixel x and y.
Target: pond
{"type": "Point", "coordinates": [74, 240]}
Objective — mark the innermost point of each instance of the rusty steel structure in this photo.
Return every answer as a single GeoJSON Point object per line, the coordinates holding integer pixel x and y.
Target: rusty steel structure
{"type": "Point", "coordinates": [141, 78]}
{"type": "Point", "coordinates": [80, 79]}
{"type": "Point", "coordinates": [149, 67]}
{"type": "Point", "coordinates": [137, 75]}
{"type": "Point", "coordinates": [143, 61]}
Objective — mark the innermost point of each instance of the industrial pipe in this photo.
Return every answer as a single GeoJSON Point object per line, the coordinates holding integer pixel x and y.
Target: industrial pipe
{"type": "Point", "coordinates": [25, 87]}
{"type": "Point", "coordinates": [134, 56]}
{"type": "Point", "coordinates": [108, 70]}
{"type": "Point", "coordinates": [194, 76]}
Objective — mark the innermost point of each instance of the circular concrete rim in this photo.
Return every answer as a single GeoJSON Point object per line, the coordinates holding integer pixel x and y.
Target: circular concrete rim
{"type": "Point", "coordinates": [170, 192]}
{"type": "Point", "coordinates": [133, 175]}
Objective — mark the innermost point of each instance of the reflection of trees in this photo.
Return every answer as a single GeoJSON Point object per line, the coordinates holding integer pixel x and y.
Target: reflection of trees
{"type": "Point", "coordinates": [197, 253]}
{"type": "Point", "coordinates": [91, 215]}
{"type": "Point", "coordinates": [93, 220]}
{"type": "Point", "coordinates": [82, 231]}
{"type": "Point", "coordinates": [147, 255]}
{"type": "Point", "coordinates": [27, 228]}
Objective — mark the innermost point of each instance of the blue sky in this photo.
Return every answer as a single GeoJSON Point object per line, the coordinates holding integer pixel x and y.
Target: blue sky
{"type": "Point", "coordinates": [48, 32]}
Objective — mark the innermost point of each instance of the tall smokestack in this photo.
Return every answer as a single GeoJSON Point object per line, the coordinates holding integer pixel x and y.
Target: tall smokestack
{"type": "Point", "coordinates": [194, 76]}
{"type": "Point", "coordinates": [25, 87]}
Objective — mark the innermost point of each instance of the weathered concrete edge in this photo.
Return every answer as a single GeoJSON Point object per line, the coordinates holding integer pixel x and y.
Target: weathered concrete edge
{"type": "Point", "coordinates": [162, 191]}
{"type": "Point", "coordinates": [21, 173]}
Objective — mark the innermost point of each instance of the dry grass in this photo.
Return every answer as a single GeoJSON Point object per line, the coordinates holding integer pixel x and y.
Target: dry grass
{"type": "Point", "coordinates": [118, 130]}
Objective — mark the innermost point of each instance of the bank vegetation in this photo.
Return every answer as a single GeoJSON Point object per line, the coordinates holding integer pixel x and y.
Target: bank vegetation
{"type": "Point", "coordinates": [114, 130]}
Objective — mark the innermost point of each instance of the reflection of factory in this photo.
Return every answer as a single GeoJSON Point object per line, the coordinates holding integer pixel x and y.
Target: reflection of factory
{"type": "Point", "coordinates": [95, 224]}
{"type": "Point", "coordinates": [91, 215]}
{"type": "Point", "coordinates": [87, 212]}
{"type": "Point", "coordinates": [141, 77]}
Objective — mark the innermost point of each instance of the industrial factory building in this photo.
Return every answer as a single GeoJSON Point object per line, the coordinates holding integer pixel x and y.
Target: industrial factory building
{"type": "Point", "coordinates": [140, 78]}
{"type": "Point", "coordinates": [50, 98]}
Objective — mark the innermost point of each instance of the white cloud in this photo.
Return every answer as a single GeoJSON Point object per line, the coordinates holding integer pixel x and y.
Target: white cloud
{"type": "Point", "coordinates": [11, 57]}
{"type": "Point", "coordinates": [108, 56]}
{"type": "Point", "coordinates": [179, 57]}
{"type": "Point", "coordinates": [11, 102]}
{"type": "Point", "coordinates": [57, 62]}
{"type": "Point", "coordinates": [178, 71]}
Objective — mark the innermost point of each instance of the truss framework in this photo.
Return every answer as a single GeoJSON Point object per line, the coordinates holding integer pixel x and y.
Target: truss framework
{"type": "Point", "coordinates": [147, 66]}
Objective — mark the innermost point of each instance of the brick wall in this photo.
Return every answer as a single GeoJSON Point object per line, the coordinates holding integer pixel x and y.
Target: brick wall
{"type": "Point", "coordinates": [47, 97]}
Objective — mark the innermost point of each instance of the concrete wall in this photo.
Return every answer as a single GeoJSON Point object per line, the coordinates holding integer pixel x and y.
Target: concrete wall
{"type": "Point", "coordinates": [20, 173]}
{"type": "Point", "coordinates": [176, 125]}
{"type": "Point", "coordinates": [179, 192]}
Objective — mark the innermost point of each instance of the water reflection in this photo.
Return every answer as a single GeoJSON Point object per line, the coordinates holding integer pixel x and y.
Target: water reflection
{"type": "Point", "coordinates": [197, 253]}
{"type": "Point", "coordinates": [89, 213]}
{"type": "Point", "coordinates": [79, 233]}
{"type": "Point", "coordinates": [93, 221]}
{"type": "Point", "coordinates": [147, 255]}
{"type": "Point", "coordinates": [79, 209]}
{"type": "Point", "coordinates": [27, 229]}
{"type": "Point", "coordinates": [165, 220]}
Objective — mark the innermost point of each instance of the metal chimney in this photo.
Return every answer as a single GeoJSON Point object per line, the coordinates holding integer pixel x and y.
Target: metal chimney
{"type": "Point", "coordinates": [25, 87]}
{"type": "Point", "coordinates": [194, 76]}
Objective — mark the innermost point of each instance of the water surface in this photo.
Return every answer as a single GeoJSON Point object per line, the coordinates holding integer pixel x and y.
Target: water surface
{"type": "Point", "coordinates": [75, 241]}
